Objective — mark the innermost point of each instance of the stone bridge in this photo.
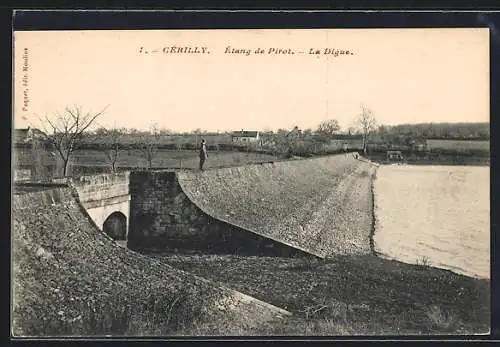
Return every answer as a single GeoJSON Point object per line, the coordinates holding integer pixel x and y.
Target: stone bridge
{"type": "Point", "coordinates": [106, 199]}
{"type": "Point", "coordinates": [315, 207]}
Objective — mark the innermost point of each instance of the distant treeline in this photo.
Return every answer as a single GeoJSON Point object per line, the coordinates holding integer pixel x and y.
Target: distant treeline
{"type": "Point", "coordinates": [477, 131]}
{"type": "Point", "coordinates": [398, 133]}
{"type": "Point", "coordinates": [433, 152]}
{"type": "Point", "coordinates": [405, 137]}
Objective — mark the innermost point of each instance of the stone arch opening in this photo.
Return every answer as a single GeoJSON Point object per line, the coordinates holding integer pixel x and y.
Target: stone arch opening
{"type": "Point", "coordinates": [115, 226]}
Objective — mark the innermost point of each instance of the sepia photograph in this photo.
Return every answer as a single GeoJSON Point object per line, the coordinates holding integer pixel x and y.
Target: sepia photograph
{"type": "Point", "coordinates": [250, 182]}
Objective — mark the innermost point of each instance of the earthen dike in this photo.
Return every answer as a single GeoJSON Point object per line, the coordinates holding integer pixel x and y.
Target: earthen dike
{"type": "Point", "coordinates": [311, 207]}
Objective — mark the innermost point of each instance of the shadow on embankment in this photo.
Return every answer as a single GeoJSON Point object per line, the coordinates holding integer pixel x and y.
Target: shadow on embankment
{"type": "Point", "coordinates": [71, 279]}
{"type": "Point", "coordinates": [355, 295]}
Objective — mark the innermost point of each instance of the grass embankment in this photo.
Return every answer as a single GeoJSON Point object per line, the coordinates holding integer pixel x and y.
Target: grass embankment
{"type": "Point", "coordinates": [70, 279]}
{"type": "Point", "coordinates": [321, 205]}
{"type": "Point", "coordinates": [352, 295]}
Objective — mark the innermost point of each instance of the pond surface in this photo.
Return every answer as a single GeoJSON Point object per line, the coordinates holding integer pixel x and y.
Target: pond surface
{"type": "Point", "coordinates": [438, 215]}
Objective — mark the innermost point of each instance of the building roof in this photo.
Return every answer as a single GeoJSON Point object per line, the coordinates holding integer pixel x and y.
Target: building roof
{"type": "Point", "coordinates": [26, 134]}
{"type": "Point", "coordinates": [22, 130]}
{"type": "Point", "coordinates": [21, 135]}
{"type": "Point", "coordinates": [245, 133]}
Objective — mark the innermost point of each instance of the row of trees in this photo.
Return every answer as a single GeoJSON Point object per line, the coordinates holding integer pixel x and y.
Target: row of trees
{"type": "Point", "coordinates": [437, 130]}
{"type": "Point", "coordinates": [114, 144]}
{"type": "Point", "coordinates": [365, 124]}
{"type": "Point", "coordinates": [66, 132]}
{"type": "Point", "coordinates": [101, 131]}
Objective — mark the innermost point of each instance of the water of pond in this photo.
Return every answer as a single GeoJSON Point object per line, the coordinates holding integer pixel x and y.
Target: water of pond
{"type": "Point", "coordinates": [439, 215]}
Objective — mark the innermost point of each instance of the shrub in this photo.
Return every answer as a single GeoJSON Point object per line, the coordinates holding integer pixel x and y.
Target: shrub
{"type": "Point", "coordinates": [423, 261]}
{"type": "Point", "coordinates": [440, 320]}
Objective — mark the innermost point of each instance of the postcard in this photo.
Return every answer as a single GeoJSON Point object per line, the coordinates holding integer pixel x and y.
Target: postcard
{"type": "Point", "coordinates": [251, 182]}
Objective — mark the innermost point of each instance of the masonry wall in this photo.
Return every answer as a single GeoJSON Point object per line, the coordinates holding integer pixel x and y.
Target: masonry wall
{"type": "Point", "coordinates": [102, 187]}
{"type": "Point", "coordinates": [103, 194]}
{"type": "Point", "coordinates": [162, 218]}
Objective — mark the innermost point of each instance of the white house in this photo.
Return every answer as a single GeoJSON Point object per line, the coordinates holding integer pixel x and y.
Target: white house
{"type": "Point", "coordinates": [245, 136]}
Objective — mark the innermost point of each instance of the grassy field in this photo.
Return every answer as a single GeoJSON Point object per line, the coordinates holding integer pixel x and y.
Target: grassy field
{"type": "Point", "coordinates": [458, 144]}
{"type": "Point", "coordinates": [172, 158]}
{"type": "Point", "coordinates": [88, 161]}
{"type": "Point", "coordinates": [164, 139]}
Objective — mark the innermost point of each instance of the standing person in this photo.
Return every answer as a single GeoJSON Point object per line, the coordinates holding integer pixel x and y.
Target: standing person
{"type": "Point", "coordinates": [203, 154]}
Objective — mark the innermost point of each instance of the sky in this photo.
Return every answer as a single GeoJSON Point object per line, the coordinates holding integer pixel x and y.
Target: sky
{"type": "Point", "coordinates": [402, 75]}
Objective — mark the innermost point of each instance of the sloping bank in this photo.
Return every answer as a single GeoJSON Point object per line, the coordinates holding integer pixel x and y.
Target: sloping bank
{"type": "Point", "coordinates": [319, 207]}
{"type": "Point", "coordinates": [69, 278]}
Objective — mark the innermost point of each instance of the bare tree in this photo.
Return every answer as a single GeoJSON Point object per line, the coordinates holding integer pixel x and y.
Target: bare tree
{"type": "Point", "coordinates": [367, 124]}
{"type": "Point", "coordinates": [113, 145]}
{"type": "Point", "coordinates": [149, 144]}
{"type": "Point", "coordinates": [66, 131]}
{"type": "Point", "coordinates": [328, 127]}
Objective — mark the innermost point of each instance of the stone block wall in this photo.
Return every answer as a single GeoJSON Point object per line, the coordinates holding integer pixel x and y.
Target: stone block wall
{"type": "Point", "coordinates": [102, 186]}
{"type": "Point", "coordinates": [101, 195]}
{"type": "Point", "coordinates": [162, 218]}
